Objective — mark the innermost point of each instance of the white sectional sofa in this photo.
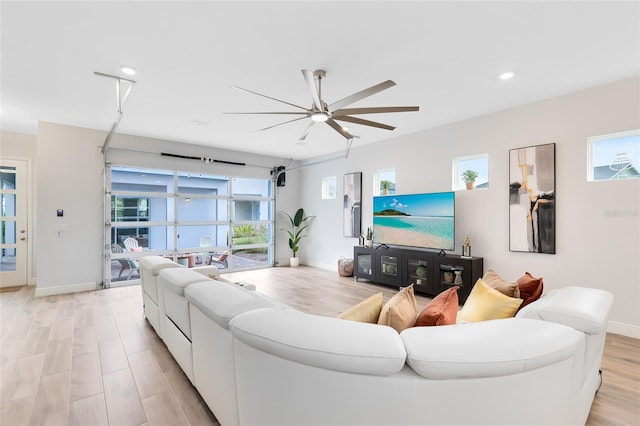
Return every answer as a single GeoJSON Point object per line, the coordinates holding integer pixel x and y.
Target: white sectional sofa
{"type": "Point", "coordinates": [258, 362]}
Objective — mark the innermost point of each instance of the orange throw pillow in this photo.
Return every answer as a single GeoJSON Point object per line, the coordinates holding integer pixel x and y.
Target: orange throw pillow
{"type": "Point", "coordinates": [530, 288]}
{"type": "Point", "coordinates": [442, 310]}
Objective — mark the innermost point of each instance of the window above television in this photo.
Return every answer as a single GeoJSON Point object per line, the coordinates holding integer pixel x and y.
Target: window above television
{"type": "Point", "coordinates": [384, 182]}
{"type": "Point", "coordinates": [473, 169]}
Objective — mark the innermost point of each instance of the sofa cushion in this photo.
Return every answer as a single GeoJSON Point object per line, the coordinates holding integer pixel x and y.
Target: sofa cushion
{"type": "Point", "coordinates": [366, 311]}
{"type": "Point", "coordinates": [324, 342]}
{"type": "Point", "coordinates": [222, 301]}
{"type": "Point", "coordinates": [494, 280]}
{"type": "Point", "coordinates": [486, 303]}
{"type": "Point", "coordinates": [442, 310]}
{"type": "Point", "coordinates": [489, 348]}
{"type": "Point", "coordinates": [400, 311]}
{"type": "Point", "coordinates": [154, 264]}
{"type": "Point", "coordinates": [177, 279]}
{"type": "Point", "coordinates": [207, 270]}
{"type": "Point", "coordinates": [530, 288]}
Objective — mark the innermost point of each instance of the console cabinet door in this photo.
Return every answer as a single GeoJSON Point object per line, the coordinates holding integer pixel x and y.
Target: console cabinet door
{"type": "Point", "coordinates": [417, 268]}
{"type": "Point", "coordinates": [364, 263]}
{"type": "Point", "coordinates": [388, 266]}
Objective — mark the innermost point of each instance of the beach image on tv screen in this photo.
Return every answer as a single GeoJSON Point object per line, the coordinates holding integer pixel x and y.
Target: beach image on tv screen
{"type": "Point", "coordinates": [417, 220]}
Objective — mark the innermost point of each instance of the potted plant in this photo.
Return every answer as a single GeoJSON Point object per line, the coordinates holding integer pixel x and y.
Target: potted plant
{"type": "Point", "coordinates": [299, 222]}
{"type": "Point", "coordinates": [385, 185]}
{"type": "Point", "coordinates": [469, 177]}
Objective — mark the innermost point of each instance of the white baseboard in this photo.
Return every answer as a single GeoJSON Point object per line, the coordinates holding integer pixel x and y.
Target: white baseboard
{"type": "Point", "coordinates": [63, 289]}
{"type": "Point", "coordinates": [623, 329]}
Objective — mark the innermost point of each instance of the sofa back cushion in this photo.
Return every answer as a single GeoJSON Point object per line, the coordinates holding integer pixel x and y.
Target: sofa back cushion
{"type": "Point", "coordinates": [324, 342]}
{"type": "Point", "coordinates": [222, 301]}
{"type": "Point", "coordinates": [489, 348]}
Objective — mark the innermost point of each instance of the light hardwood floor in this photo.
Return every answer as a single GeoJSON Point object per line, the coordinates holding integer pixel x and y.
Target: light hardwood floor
{"type": "Point", "coordinates": [92, 359]}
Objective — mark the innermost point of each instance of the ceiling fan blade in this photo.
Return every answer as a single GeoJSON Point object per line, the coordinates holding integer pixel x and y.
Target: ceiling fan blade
{"type": "Point", "coordinates": [313, 90]}
{"type": "Point", "coordinates": [361, 95]}
{"type": "Point", "coordinates": [280, 124]}
{"type": "Point", "coordinates": [269, 97]}
{"type": "Point", "coordinates": [306, 131]}
{"type": "Point", "coordinates": [289, 113]}
{"type": "Point", "coordinates": [357, 120]}
{"type": "Point", "coordinates": [374, 110]}
{"type": "Point", "coordinates": [338, 128]}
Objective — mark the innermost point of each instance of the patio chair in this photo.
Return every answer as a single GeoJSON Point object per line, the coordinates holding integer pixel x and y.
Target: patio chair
{"type": "Point", "coordinates": [131, 243]}
{"type": "Point", "coordinates": [222, 260]}
{"type": "Point", "coordinates": [205, 242]}
{"type": "Point", "coordinates": [130, 265]}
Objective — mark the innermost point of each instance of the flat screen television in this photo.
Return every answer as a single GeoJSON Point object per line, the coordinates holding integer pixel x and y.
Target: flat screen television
{"type": "Point", "coordinates": [415, 220]}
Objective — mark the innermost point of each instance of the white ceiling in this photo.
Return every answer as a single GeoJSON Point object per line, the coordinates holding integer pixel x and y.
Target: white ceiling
{"type": "Point", "coordinates": [444, 57]}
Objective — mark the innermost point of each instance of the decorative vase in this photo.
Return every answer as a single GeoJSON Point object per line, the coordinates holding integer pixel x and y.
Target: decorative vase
{"type": "Point", "coordinates": [448, 277]}
{"type": "Point", "coordinates": [369, 243]}
{"type": "Point", "coordinates": [294, 261]}
{"type": "Point", "coordinates": [458, 279]}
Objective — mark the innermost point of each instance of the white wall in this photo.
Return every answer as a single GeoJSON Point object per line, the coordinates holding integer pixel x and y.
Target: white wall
{"type": "Point", "coordinates": [70, 176]}
{"type": "Point", "coordinates": [598, 224]}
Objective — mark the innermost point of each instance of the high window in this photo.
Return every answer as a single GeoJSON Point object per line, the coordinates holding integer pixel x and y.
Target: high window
{"type": "Point", "coordinates": [470, 172]}
{"type": "Point", "coordinates": [614, 157]}
{"type": "Point", "coordinates": [384, 182]}
{"type": "Point", "coordinates": [329, 188]}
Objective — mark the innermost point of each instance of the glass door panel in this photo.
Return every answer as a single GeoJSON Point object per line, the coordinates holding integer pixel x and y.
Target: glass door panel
{"type": "Point", "coordinates": [13, 221]}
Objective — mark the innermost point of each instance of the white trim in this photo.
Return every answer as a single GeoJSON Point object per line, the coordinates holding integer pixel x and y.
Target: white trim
{"type": "Point", "coordinates": [63, 289]}
{"type": "Point", "coordinates": [623, 329]}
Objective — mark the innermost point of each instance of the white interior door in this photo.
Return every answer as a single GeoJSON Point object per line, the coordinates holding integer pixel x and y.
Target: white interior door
{"type": "Point", "coordinates": [13, 223]}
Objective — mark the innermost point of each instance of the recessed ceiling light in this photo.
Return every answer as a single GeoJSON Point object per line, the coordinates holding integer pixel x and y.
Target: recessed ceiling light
{"type": "Point", "coordinates": [128, 70]}
{"type": "Point", "coordinates": [507, 75]}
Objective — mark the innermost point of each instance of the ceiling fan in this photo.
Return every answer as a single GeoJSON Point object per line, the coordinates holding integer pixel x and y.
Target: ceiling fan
{"type": "Point", "coordinates": [320, 111]}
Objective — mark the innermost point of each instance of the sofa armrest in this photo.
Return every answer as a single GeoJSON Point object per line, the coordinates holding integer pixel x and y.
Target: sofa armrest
{"type": "Point", "coordinates": [488, 348]}
{"type": "Point", "coordinates": [323, 342]}
{"type": "Point", "coordinates": [582, 308]}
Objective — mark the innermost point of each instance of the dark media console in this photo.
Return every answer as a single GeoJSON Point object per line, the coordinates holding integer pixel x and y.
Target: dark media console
{"type": "Point", "coordinates": [430, 272]}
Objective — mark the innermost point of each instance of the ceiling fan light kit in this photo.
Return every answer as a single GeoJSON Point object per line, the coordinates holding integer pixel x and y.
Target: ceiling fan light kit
{"type": "Point", "coordinates": [321, 112]}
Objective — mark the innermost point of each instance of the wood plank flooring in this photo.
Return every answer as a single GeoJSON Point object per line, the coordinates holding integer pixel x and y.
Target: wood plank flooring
{"type": "Point", "coordinates": [92, 359]}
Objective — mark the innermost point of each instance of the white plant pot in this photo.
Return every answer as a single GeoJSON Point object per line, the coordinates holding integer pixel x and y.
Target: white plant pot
{"type": "Point", "coordinates": [294, 261]}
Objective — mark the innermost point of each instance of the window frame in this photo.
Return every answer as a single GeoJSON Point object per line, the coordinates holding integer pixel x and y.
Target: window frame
{"type": "Point", "coordinates": [592, 140]}
{"type": "Point", "coordinates": [455, 171]}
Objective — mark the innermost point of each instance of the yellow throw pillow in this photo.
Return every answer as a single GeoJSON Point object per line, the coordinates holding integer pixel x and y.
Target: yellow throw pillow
{"type": "Point", "coordinates": [366, 311]}
{"type": "Point", "coordinates": [486, 303]}
{"type": "Point", "coordinates": [400, 311]}
{"type": "Point", "coordinates": [494, 280]}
